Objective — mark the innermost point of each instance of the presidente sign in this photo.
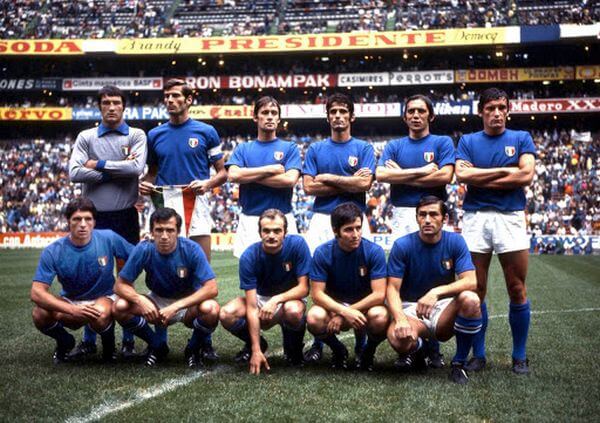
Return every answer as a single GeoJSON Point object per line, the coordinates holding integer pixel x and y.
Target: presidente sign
{"type": "Point", "coordinates": [321, 42]}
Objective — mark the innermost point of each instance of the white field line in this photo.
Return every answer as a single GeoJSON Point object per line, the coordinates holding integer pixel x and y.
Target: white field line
{"type": "Point", "coordinates": [535, 312]}
{"type": "Point", "coordinates": [169, 385]}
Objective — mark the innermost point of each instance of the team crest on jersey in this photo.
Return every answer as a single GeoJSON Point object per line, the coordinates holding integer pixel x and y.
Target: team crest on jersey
{"type": "Point", "coordinates": [352, 160]}
{"type": "Point", "coordinates": [510, 150]}
{"type": "Point", "coordinates": [125, 149]}
{"type": "Point", "coordinates": [428, 156]}
{"type": "Point", "coordinates": [447, 264]}
{"type": "Point", "coordinates": [193, 142]}
{"type": "Point", "coordinates": [287, 266]}
{"type": "Point", "coordinates": [103, 261]}
{"type": "Point", "coordinates": [362, 271]}
{"type": "Point", "coordinates": [182, 272]}
{"type": "Point", "coordinates": [278, 155]}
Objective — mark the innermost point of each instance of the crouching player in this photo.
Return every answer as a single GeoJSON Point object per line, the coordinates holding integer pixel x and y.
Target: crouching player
{"type": "Point", "coordinates": [424, 297]}
{"type": "Point", "coordinates": [274, 275]}
{"type": "Point", "coordinates": [182, 289]}
{"type": "Point", "coordinates": [83, 262]}
{"type": "Point", "coordinates": [348, 285]}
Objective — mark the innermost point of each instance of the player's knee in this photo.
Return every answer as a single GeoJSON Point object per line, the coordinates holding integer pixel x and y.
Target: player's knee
{"type": "Point", "coordinates": [517, 293]}
{"type": "Point", "coordinates": [227, 316]}
{"type": "Point", "coordinates": [469, 304]}
{"type": "Point", "coordinates": [293, 311]}
{"type": "Point", "coordinates": [378, 318]}
{"type": "Point", "coordinates": [41, 317]}
{"type": "Point", "coordinates": [120, 309]}
{"type": "Point", "coordinates": [316, 319]}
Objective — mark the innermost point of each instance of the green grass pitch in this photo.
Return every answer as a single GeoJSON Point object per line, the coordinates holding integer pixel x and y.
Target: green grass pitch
{"type": "Point", "coordinates": [563, 350]}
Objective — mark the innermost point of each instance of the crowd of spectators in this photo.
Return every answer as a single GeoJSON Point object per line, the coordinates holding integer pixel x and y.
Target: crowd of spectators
{"type": "Point", "coordinates": [153, 18]}
{"type": "Point", "coordinates": [361, 95]}
{"type": "Point", "coordinates": [563, 199]}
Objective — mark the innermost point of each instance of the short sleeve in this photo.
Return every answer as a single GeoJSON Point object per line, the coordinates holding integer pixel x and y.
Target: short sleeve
{"type": "Point", "coordinates": [387, 154]}
{"type": "Point", "coordinates": [303, 258]}
{"type": "Point", "coordinates": [396, 261]}
{"type": "Point", "coordinates": [135, 263]}
{"type": "Point", "coordinates": [247, 272]}
{"type": "Point", "coordinates": [293, 160]}
{"type": "Point", "coordinates": [463, 256]}
{"type": "Point", "coordinates": [213, 144]}
{"type": "Point", "coordinates": [310, 162]}
{"type": "Point", "coordinates": [46, 270]}
{"type": "Point", "coordinates": [463, 152]}
{"type": "Point", "coordinates": [377, 262]}
{"type": "Point", "coordinates": [368, 157]}
{"type": "Point", "coordinates": [318, 269]}
{"type": "Point", "coordinates": [526, 144]}
{"type": "Point", "coordinates": [202, 270]}
{"type": "Point", "coordinates": [447, 153]}
{"type": "Point", "coordinates": [121, 248]}
{"type": "Point", "coordinates": [237, 157]}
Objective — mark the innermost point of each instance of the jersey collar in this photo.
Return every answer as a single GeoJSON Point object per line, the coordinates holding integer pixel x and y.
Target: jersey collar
{"type": "Point", "coordinates": [122, 129]}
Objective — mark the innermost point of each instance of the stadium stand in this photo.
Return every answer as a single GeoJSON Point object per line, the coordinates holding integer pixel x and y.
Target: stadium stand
{"type": "Point", "coordinates": [166, 18]}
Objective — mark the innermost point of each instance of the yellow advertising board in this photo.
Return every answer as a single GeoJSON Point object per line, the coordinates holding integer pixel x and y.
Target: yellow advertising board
{"type": "Point", "coordinates": [514, 74]}
{"type": "Point", "coordinates": [35, 113]}
{"type": "Point", "coordinates": [321, 42]}
{"type": "Point", "coordinates": [587, 72]}
{"type": "Point", "coordinates": [221, 112]}
{"type": "Point", "coordinates": [41, 47]}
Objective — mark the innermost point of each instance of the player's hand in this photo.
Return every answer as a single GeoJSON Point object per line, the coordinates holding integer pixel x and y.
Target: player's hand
{"type": "Point", "coordinates": [429, 168]}
{"type": "Point", "coordinates": [146, 188]}
{"type": "Point", "coordinates": [268, 310]}
{"type": "Point", "coordinates": [199, 187]}
{"type": "Point", "coordinates": [363, 172]}
{"type": "Point", "coordinates": [276, 169]}
{"type": "Point", "coordinates": [85, 311]}
{"type": "Point", "coordinates": [148, 309]}
{"type": "Point", "coordinates": [167, 313]}
{"type": "Point", "coordinates": [426, 304]}
{"type": "Point", "coordinates": [132, 156]}
{"type": "Point", "coordinates": [335, 325]}
{"type": "Point", "coordinates": [91, 164]}
{"type": "Point", "coordinates": [355, 318]}
{"type": "Point", "coordinates": [390, 164]}
{"type": "Point", "coordinates": [257, 360]}
{"type": "Point", "coordinates": [466, 164]}
{"type": "Point", "coordinates": [402, 329]}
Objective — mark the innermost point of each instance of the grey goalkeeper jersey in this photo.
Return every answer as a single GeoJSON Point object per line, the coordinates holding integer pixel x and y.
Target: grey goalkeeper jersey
{"type": "Point", "coordinates": [113, 184]}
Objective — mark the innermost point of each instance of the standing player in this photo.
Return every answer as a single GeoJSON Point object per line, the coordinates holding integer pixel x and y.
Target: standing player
{"type": "Point", "coordinates": [182, 285]}
{"type": "Point", "coordinates": [414, 166]}
{"type": "Point", "coordinates": [424, 297]}
{"type": "Point", "coordinates": [496, 164]}
{"type": "Point", "coordinates": [267, 170]}
{"type": "Point", "coordinates": [180, 154]}
{"type": "Point", "coordinates": [274, 275]}
{"type": "Point", "coordinates": [348, 285]}
{"type": "Point", "coordinates": [108, 161]}
{"type": "Point", "coordinates": [336, 170]}
{"type": "Point", "coordinates": [83, 262]}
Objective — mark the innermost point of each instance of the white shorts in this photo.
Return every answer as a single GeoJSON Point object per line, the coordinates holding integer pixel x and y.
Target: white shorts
{"type": "Point", "coordinates": [403, 221]}
{"type": "Point", "coordinates": [247, 232]}
{"type": "Point", "coordinates": [112, 297]}
{"type": "Point", "coordinates": [319, 230]}
{"type": "Point", "coordinates": [410, 310]}
{"type": "Point", "coordinates": [487, 231]}
{"type": "Point", "coordinates": [162, 302]}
